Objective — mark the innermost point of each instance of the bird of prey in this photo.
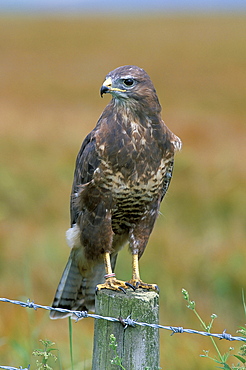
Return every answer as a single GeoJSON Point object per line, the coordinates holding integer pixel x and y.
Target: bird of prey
{"type": "Point", "coordinates": [122, 173]}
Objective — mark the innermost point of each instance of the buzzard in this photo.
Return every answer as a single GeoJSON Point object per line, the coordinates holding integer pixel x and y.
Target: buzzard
{"type": "Point", "coordinates": [122, 173]}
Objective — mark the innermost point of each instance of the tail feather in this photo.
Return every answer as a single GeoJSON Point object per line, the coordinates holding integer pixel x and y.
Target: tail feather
{"type": "Point", "coordinates": [76, 292]}
{"type": "Point", "coordinates": [67, 292]}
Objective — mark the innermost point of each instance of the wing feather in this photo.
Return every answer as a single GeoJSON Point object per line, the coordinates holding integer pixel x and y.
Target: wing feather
{"type": "Point", "coordinates": [86, 163]}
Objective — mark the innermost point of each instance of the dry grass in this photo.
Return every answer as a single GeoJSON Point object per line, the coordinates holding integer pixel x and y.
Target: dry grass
{"type": "Point", "coordinates": [51, 71]}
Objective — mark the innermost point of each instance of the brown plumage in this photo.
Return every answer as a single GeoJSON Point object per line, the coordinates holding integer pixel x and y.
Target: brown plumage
{"type": "Point", "coordinates": [122, 173]}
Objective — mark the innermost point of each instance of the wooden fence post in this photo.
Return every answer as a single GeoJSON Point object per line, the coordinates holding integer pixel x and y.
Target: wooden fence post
{"type": "Point", "coordinates": [138, 347]}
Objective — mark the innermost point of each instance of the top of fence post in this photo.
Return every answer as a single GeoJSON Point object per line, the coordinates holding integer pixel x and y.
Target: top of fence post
{"type": "Point", "coordinates": [137, 347]}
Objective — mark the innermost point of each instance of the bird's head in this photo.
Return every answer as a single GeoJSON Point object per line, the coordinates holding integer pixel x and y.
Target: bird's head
{"type": "Point", "coordinates": [128, 82]}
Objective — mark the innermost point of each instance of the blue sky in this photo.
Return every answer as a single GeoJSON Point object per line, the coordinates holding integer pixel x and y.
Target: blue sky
{"type": "Point", "coordinates": [122, 5]}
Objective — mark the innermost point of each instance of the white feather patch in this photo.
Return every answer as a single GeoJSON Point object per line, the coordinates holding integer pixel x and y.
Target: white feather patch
{"type": "Point", "coordinates": [177, 143]}
{"type": "Point", "coordinates": [73, 236]}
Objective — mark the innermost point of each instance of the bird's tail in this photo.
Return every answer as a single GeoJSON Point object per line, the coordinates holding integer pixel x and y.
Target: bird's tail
{"type": "Point", "coordinates": [76, 292]}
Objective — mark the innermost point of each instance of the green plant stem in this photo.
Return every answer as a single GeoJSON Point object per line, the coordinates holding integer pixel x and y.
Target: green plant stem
{"type": "Point", "coordinates": [71, 341]}
{"type": "Point", "coordinates": [208, 330]}
{"type": "Point", "coordinates": [244, 301]}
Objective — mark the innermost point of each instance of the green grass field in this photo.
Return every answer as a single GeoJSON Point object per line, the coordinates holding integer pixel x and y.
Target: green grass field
{"type": "Point", "coordinates": [51, 70]}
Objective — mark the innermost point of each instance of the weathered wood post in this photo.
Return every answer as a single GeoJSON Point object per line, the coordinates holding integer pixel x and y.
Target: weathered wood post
{"type": "Point", "coordinates": [138, 347]}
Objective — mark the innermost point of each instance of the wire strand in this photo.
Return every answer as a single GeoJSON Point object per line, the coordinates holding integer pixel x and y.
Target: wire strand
{"type": "Point", "coordinates": [127, 322]}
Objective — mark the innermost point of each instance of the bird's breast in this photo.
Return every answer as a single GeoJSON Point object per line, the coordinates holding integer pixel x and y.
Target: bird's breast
{"type": "Point", "coordinates": [132, 196]}
{"type": "Point", "coordinates": [139, 181]}
{"type": "Point", "coordinates": [134, 165]}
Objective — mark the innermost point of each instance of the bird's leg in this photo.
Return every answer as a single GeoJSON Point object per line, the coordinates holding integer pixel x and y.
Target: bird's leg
{"type": "Point", "coordinates": [138, 239]}
{"type": "Point", "coordinates": [107, 262]}
{"type": "Point", "coordinates": [110, 280]}
{"type": "Point", "coordinates": [136, 282]}
{"type": "Point", "coordinates": [135, 267]}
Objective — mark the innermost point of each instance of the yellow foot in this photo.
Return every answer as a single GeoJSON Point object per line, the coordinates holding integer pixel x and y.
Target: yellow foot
{"type": "Point", "coordinates": [137, 283]}
{"type": "Point", "coordinates": [113, 284]}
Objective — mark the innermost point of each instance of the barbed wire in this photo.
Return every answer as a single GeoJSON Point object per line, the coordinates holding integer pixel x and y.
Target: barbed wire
{"type": "Point", "coordinates": [126, 322]}
{"type": "Point", "coordinates": [14, 368]}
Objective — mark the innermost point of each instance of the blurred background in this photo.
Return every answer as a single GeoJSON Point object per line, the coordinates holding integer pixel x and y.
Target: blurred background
{"type": "Point", "coordinates": [53, 58]}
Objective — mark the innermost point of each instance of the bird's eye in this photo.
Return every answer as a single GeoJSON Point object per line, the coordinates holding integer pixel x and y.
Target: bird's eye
{"type": "Point", "coordinates": [128, 81]}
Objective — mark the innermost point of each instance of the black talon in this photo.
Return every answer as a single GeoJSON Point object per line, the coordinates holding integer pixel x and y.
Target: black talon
{"type": "Point", "coordinates": [157, 288]}
{"type": "Point", "coordinates": [122, 289]}
{"type": "Point", "coordinates": [130, 285]}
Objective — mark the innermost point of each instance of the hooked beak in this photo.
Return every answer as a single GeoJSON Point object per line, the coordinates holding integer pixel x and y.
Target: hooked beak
{"type": "Point", "coordinates": [107, 87]}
